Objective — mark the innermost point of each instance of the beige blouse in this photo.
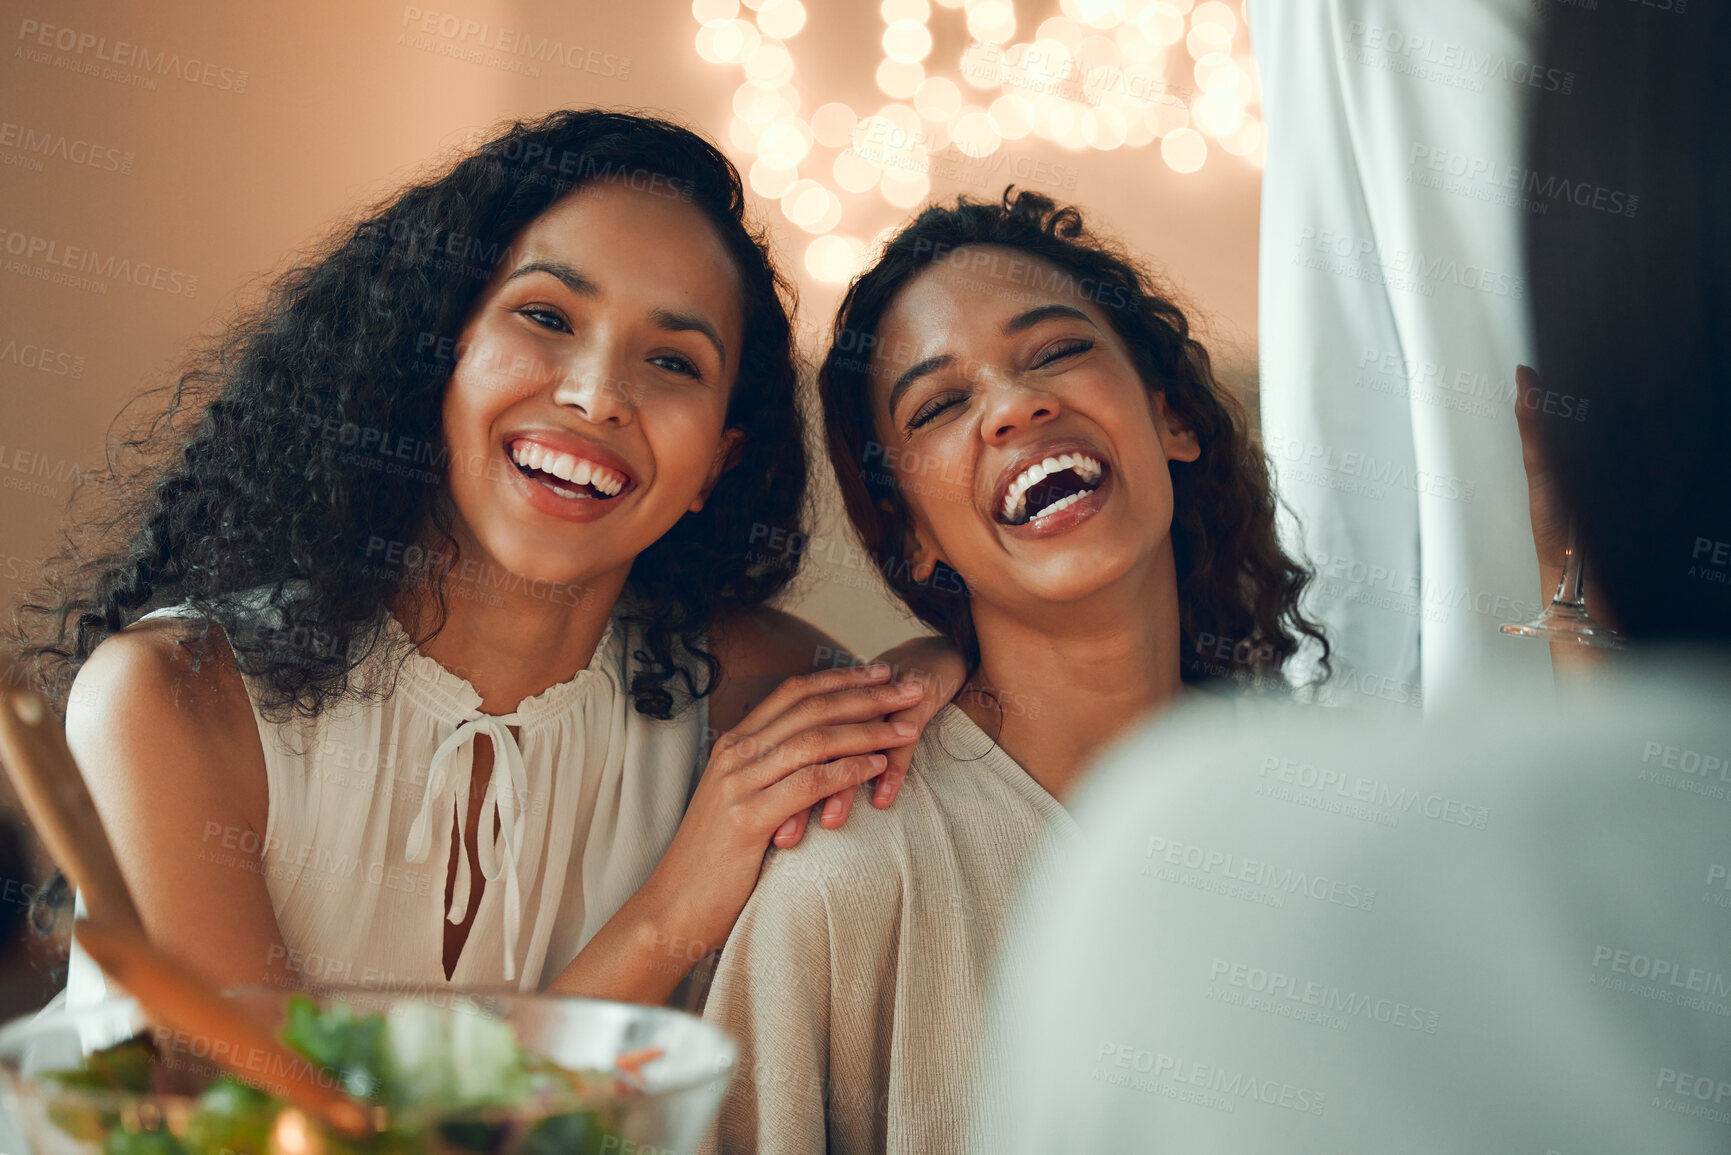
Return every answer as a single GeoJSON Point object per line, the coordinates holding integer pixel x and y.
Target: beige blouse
{"type": "Point", "coordinates": [855, 976]}
{"type": "Point", "coordinates": [364, 800]}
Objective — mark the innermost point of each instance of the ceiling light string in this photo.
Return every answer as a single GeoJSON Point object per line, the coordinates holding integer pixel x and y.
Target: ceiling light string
{"type": "Point", "coordinates": [1099, 76]}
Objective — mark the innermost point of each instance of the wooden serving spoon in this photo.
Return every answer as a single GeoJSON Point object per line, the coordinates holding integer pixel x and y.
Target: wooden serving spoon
{"type": "Point", "coordinates": [58, 803]}
{"type": "Point", "coordinates": [176, 1000]}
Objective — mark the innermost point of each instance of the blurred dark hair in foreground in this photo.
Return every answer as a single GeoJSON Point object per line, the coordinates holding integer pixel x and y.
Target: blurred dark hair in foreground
{"type": "Point", "coordinates": [1634, 313]}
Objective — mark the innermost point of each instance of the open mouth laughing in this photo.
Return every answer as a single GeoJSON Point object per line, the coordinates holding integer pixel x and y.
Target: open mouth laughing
{"type": "Point", "coordinates": [570, 475]}
{"type": "Point", "coordinates": [1048, 486]}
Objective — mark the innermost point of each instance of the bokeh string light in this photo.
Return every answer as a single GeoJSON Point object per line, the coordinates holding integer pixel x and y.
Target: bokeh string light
{"type": "Point", "coordinates": [1098, 75]}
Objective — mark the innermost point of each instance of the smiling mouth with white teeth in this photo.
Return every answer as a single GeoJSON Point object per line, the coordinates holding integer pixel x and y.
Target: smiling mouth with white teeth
{"type": "Point", "coordinates": [1048, 486]}
{"type": "Point", "coordinates": [566, 474]}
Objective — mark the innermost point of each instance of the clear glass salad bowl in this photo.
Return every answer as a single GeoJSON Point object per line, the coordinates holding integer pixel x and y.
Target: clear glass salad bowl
{"type": "Point", "coordinates": [444, 1072]}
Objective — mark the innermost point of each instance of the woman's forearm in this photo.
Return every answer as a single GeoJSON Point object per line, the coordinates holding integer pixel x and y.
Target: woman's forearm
{"type": "Point", "coordinates": [635, 958]}
{"type": "Point", "coordinates": [812, 736]}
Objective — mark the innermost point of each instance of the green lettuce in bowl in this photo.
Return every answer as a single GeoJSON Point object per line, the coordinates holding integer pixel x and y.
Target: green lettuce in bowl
{"type": "Point", "coordinates": [445, 1074]}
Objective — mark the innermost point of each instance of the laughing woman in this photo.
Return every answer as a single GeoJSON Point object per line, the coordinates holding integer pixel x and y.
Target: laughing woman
{"type": "Point", "coordinates": [401, 666]}
{"type": "Point", "coordinates": [1080, 509]}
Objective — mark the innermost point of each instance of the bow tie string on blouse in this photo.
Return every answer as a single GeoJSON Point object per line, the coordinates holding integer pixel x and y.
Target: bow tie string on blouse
{"type": "Point", "coordinates": [452, 765]}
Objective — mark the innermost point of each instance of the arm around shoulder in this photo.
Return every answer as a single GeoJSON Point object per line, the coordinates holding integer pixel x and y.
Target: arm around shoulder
{"type": "Point", "coordinates": [761, 647]}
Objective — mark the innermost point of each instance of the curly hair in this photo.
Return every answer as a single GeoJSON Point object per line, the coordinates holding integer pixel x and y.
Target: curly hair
{"type": "Point", "coordinates": [251, 480]}
{"type": "Point", "coordinates": [1235, 583]}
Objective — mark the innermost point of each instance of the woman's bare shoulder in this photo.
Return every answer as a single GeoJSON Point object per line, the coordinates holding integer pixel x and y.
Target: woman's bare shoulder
{"type": "Point", "coordinates": [161, 701]}
{"type": "Point", "coordinates": [165, 663]}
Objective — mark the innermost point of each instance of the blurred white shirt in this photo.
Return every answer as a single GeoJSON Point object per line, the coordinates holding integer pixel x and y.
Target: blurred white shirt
{"type": "Point", "coordinates": [1506, 930]}
{"type": "Point", "coordinates": [1393, 311]}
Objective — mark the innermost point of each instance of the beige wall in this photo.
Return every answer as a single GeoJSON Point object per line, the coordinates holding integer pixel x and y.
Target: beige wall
{"type": "Point", "coordinates": [306, 112]}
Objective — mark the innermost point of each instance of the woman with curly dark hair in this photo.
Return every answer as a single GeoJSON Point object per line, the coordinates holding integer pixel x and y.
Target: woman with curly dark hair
{"type": "Point", "coordinates": [451, 567]}
{"type": "Point", "coordinates": [1033, 446]}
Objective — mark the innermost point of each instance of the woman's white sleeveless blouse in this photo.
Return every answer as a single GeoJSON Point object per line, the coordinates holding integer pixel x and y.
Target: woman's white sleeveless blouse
{"type": "Point", "coordinates": [364, 801]}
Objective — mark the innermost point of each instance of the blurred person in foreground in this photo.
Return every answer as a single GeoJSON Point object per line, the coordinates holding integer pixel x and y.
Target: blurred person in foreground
{"type": "Point", "coordinates": [1509, 930]}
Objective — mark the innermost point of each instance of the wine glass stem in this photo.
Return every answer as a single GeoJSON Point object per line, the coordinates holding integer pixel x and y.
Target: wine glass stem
{"type": "Point", "coordinates": [1569, 590]}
